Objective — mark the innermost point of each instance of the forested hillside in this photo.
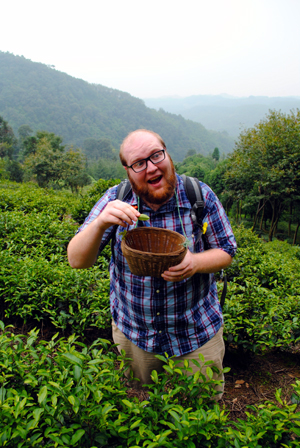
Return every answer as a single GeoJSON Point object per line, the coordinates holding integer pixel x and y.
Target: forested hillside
{"type": "Point", "coordinates": [37, 95]}
{"type": "Point", "coordinates": [224, 113]}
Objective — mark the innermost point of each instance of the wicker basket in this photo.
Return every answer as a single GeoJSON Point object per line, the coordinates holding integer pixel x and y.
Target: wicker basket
{"type": "Point", "coordinates": [151, 250]}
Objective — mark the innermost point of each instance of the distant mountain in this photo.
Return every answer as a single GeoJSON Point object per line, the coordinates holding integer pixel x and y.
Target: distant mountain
{"type": "Point", "coordinates": [37, 95]}
{"type": "Point", "coordinates": [223, 112]}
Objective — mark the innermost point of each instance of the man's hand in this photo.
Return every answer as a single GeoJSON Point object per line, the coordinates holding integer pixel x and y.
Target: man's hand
{"type": "Point", "coordinates": [207, 262]}
{"type": "Point", "coordinates": [117, 213]}
{"type": "Point", "coordinates": [83, 248]}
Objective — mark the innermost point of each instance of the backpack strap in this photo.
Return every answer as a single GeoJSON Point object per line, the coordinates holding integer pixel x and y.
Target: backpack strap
{"type": "Point", "coordinates": [123, 189]}
{"type": "Point", "coordinates": [194, 194]}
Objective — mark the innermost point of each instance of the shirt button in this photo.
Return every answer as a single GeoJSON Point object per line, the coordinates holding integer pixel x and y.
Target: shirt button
{"type": "Point", "coordinates": [158, 314]}
{"type": "Point", "coordinates": [159, 331]}
{"type": "Point", "coordinates": [157, 291]}
{"type": "Point", "coordinates": [192, 235]}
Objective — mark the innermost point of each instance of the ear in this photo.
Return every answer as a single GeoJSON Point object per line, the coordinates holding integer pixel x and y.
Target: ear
{"type": "Point", "coordinates": [125, 168]}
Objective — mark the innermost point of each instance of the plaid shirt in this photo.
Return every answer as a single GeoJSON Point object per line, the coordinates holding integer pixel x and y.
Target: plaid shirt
{"type": "Point", "coordinates": [159, 316]}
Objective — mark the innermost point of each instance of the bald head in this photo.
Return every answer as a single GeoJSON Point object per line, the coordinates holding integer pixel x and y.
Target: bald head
{"type": "Point", "coordinates": [132, 139]}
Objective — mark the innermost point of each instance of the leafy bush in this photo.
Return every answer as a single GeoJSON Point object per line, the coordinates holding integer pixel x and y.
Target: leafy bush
{"type": "Point", "coordinates": [263, 300]}
{"type": "Point", "coordinates": [36, 281]}
{"type": "Point", "coordinates": [63, 393]}
{"type": "Point", "coordinates": [35, 234]}
{"type": "Point", "coordinates": [41, 289]}
{"type": "Point", "coordinates": [81, 210]}
{"type": "Point", "coordinates": [28, 197]}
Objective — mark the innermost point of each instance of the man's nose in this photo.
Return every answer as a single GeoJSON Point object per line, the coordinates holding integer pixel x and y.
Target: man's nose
{"type": "Point", "coordinates": [151, 166]}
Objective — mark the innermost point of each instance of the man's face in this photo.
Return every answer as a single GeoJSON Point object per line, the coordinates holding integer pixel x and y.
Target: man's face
{"type": "Point", "coordinates": [155, 185]}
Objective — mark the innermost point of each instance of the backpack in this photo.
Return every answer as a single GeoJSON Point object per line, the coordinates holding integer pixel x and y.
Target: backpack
{"type": "Point", "coordinates": [194, 194]}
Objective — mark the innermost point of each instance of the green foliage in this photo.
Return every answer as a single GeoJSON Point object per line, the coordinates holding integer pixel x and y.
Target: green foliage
{"type": "Point", "coordinates": [106, 169]}
{"type": "Point", "coordinates": [6, 133]}
{"type": "Point", "coordinates": [46, 99]}
{"type": "Point", "coordinates": [196, 166]}
{"type": "Point", "coordinates": [263, 300]}
{"type": "Point", "coordinates": [99, 148]}
{"type": "Point", "coordinates": [89, 199]}
{"type": "Point", "coordinates": [216, 154]}
{"type": "Point", "coordinates": [265, 165]}
{"type": "Point", "coordinates": [268, 425]}
{"type": "Point", "coordinates": [14, 170]}
{"type": "Point", "coordinates": [28, 197]}
{"type": "Point", "coordinates": [74, 173]}
{"type": "Point", "coordinates": [48, 163]}
{"type": "Point", "coordinates": [32, 144]}
{"type": "Point", "coordinates": [35, 229]}
{"type": "Point", "coordinates": [63, 393]}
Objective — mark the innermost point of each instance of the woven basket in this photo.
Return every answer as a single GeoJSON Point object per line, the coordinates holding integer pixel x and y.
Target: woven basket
{"type": "Point", "coordinates": [151, 250]}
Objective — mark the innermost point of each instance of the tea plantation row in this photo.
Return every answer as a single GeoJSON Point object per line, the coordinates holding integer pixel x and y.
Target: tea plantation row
{"type": "Point", "coordinates": [64, 393]}
{"type": "Point", "coordinates": [261, 311]}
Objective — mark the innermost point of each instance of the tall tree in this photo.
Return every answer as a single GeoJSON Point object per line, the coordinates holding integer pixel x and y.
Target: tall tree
{"type": "Point", "coordinates": [265, 165]}
{"type": "Point", "coordinates": [44, 164]}
{"type": "Point", "coordinates": [7, 139]}
{"type": "Point", "coordinates": [216, 154]}
{"type": "Point", "coordinates": [74, 173]}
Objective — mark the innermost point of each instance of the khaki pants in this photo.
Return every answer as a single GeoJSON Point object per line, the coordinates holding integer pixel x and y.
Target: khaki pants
{"type": "Point", "coordinates": [144, 362]}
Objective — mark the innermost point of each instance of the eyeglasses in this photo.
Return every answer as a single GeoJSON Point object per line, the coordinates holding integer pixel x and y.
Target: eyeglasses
{"type": "Point", "coordinates": [142, 164]}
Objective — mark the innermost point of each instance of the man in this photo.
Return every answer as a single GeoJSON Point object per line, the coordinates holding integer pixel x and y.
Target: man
{"type": "Point", "coordinates": [179, 313]}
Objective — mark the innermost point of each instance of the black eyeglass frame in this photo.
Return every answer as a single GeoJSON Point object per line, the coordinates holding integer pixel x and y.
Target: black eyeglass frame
{"type": "Point", "coordinates": [147, 159]}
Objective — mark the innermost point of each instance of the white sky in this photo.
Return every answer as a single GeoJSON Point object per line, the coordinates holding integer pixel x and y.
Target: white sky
{"type": "Point", "coordinates": [162, 47]}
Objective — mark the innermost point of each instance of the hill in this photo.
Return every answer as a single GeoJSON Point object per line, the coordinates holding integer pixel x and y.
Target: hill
{"type": "Point", "coordinates": [37, 95]}
{"type": "Point", "coordinates": [222, 112]}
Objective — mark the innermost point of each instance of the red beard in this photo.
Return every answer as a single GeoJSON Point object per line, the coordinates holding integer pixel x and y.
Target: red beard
{"type": "Point", "coordinates": [156, 197]}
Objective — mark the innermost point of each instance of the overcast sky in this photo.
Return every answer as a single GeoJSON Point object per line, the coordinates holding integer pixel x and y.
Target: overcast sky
{"type": "Point", "coordinates": [162, 47]}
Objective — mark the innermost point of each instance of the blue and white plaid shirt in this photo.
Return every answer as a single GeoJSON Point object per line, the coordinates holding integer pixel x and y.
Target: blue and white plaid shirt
{"type": "Point", "coordinates": [166, 317]}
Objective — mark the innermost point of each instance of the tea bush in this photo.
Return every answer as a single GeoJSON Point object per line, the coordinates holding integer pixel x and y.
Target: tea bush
{"type": "Point", "coordinates": [263, 301]}
{"type": "Point", "coordinates": [36, 281]}
{"type": "Point", "coordinates": [28, 197]}
{"type": "Point", "coordinates": [35, 288]}
{"type": "Point", "coordinates": [63, 393]}
{"type": "Point", "coordinates": [81, 210]}
{"type": "Point", "coordinates": [35, 234]}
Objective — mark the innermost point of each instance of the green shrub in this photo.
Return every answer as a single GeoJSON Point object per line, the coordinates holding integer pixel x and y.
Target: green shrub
{"type": "Point", "coordinates": [81, 210]}
{"type": "Point", "coordinates": [40, 289]}
{"type": "Point", "coordinates": [28, 197]}
{"type": "Point", "coordinates": [263, 299]}
{"type": "Point", "coordinates": [35, 234]}
{"type": "Point", "coordinates": [63, 393]}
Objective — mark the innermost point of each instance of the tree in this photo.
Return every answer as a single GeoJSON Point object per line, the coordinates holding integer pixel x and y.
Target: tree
{"type": "Point", "coordinates": [50, 165]}
{"type": "Point", "coordinates": [195, 166]}
{"type": "Point", "coordinates": [6, 133]}
{"type": "Point", "coordinates": [44, 164]}
{"type": "Point", "coordinates": [24, 131]}
{"type": "Point", "coordinates": [265, 165]}
{"type": "Point", "coordinates": [31, 144]}
{"type": "Point", "coordinates": [216, 154]}
{"type": "Point", "coordinates": [74, 173]}
{"type": "Point", "coordinates": [14, 170]}
{"type": "Point", "coordinates": [191, 152]}
{"type": "Point", "coordinates": [7, 139]}
{"type": "Point", "coordinates": [96, 148]}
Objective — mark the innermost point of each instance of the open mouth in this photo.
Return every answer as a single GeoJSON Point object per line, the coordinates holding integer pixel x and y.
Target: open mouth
{"type": "Point", "coordinates": [155, 180]}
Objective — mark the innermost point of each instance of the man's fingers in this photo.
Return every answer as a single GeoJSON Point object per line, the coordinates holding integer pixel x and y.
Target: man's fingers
{"type": "Point", "coordinates": [122, 211]}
